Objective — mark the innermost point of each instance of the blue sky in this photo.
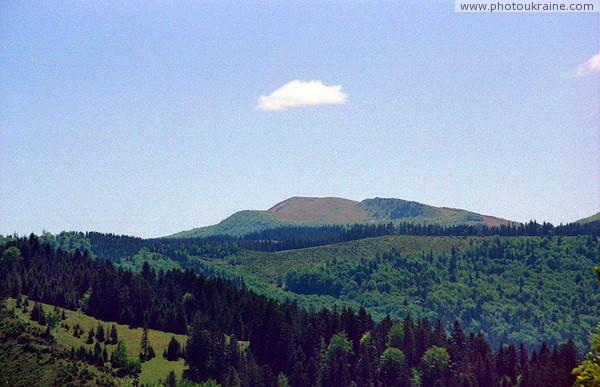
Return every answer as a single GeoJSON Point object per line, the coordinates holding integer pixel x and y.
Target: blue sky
{"type": "Point", "coordinates": [142, 118]}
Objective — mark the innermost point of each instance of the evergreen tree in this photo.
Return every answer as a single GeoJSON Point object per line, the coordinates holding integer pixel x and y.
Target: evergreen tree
{"type": "Point", "coordinates": [171, 380]}
{"type": "Point", "coordinates": [144, 345]}
{"type": "Point", "coordinates": [366, 367]}
{"type": "Point", "coordinates": [173, 351]}
{"type": "Point", "coordinates": [118, 357]}
{"type": "Point", "coordinates": [336, 369]}
{"type": "Point", "coordinates": [100, 334]}
{"type": "Point", "coordinates": [114, 337]}
{"type": "Point", "coordinates": [90, 338]}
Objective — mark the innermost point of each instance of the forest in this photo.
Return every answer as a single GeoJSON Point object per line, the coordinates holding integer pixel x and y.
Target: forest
{"type": "Point", "coordinates": [523, 283]}
{"type": "Point", "coordinates": [288, 344]}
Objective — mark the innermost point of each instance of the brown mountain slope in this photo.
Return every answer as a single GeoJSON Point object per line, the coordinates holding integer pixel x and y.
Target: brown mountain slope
{"type": "Point", "coordinates": [328, 210]}
{"type": "Point", "coordinates": [339, 210]}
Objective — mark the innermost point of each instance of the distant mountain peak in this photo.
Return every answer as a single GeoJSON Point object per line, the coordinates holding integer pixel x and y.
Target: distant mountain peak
{"type": "Point", "coordinates": [299, 210]}
{"type": "Point", "coordinates": [311, 209]}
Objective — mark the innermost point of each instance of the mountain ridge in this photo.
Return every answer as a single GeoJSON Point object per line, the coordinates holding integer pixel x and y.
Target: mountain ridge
{"type": "Point", "coordinates": [319, 211]}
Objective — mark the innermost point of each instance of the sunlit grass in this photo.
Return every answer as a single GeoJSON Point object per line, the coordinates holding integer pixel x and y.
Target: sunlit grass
{"type": "Point", "coordinates": [152, 371]}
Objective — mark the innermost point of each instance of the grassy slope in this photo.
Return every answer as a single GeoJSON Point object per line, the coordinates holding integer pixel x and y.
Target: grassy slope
{"type": "Point", "coordinates": [238, 224]}
{"type": "Point", "coordinates": [269, 266]}
{"type": "Point", "coordinates": [593, 218]}
{"type": "Point", "coordinates": [152, 371]}
{"type": "Point", "coordinates": [30, 359]}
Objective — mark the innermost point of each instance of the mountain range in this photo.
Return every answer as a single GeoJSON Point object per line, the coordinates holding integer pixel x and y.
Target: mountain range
{"type": "Point", "coordinates": [312, 211]}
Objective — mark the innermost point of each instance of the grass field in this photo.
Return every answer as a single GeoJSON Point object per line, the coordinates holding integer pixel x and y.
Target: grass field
{"type": "Point", "coordinates": [152, 371]}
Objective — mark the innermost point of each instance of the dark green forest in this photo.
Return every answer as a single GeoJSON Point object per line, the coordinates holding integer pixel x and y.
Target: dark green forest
{"type": "Point", "coordinates": [288, 344]}
{"type": "Point", "coordinates": [523, 283]}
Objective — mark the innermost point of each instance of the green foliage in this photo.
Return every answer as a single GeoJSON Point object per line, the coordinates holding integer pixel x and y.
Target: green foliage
{"type": "Point", "coordinates": [339, 346]}
{"type": "Point", "coordinates": [588, 373]}
{"type": "Point", "coordinates": [156, 261]}
{"type": "Point", "coordinates": [435, 363]}
{"type": "Point", "coordinates": [52, 319]}
{"type": "Point", "coordinates": [68, 240]}
{"type": "Point", "coordinates": [282, 380]}
{"type": "Point", "coordinates": [392, 366]}
{"type": "Point", "coordinates": [11, 255]}
{"type": "Point", "coordinates": [395, 336]}
{"type": "Point", "coordinates": [85, 300]}
{"type": "Point", "coordinates": [118, 357]}
{"type": "Point", "coordinates": [238, 224]}
{"type": "Point", "coordinates": [336, 368]}
{"type": "Point", "coordinates": [516, 289]}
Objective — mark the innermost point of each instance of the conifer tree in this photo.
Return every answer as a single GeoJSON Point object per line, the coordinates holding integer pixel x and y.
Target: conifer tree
{"type": "Point", "coordinates": [90, 338]}
{"type": "Point", "coordinates": [114, 337]}
{"type": "Point", "coordinates": [100, 334]}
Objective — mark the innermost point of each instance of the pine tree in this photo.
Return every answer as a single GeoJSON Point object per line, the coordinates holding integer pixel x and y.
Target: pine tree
{"type": "Point", "coordinates": [90, 338]}
{"type": "Point", "coordinates": [171, 380]}
{"type": "Point", "coordinates": [145, 344]}
{"type": "Point", "coordinates": [366, 367]}
{"type": "Point", "coordinates": [114, 337]}
{"type": "Point", "coordinates": [100, 334]}
{"type": "Point", "coordinates": [173, 351]}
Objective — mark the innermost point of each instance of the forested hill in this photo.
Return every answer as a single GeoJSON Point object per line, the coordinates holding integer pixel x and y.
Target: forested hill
{"type": "Point", "coordinates": [525, 283]}
{"type": "Point", "coordinates": [288, 344]}
{"type": "Point", "coordinates": [302, 211]}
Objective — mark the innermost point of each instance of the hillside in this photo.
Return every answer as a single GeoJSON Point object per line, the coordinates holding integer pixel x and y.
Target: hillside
{"type": "Point", "coordinates": [590, 219]}
{"type": "Point", "coordinates": [291, 345]}
{"type": "Point", "coordinates": [71, 334]}
{"type": "Point", "coordinates": [327, 211]}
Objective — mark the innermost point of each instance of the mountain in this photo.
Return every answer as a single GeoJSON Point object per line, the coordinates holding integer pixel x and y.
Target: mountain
{"type": "Point", "coordinates": [310, 211]}
{"type": "Point", "coordinates": [590, 219]}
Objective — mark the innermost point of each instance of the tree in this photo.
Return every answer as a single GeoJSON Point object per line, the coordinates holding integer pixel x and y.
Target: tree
{"type": "Point", "coordinates": [171, 380]}
{"type": "Point", "coordinates": [336, 370]}
{"type": "Point", "coordinates": [118, 357]}
{"type": "Point", "coordinates": [197, 352]}
{"type": "Point", "coordinates": [366, 367]}
{"type": "Point", "coordinates": [392, 367]}
{"type": "Point", "coordinates": [114, 337]}
{"type": "Point", "coordinates": [282, 380]}
{"type": "Point", "coordinates": [396, 336]}
{"type": "Point", "coordinates": [90, 338]}
{"type": "Point", "coordinates": [588, 373]}
{"type": "Point", "coordinates": [84, 302]}
{"type": "Point", "coordinates": [146, 351]}
{"type": "Point", "coordinates": [37, 314]}
{"type": "Point", "coordinates": [100, 334]}
{"type": "Point", "coordinates": [173, 351]}
{"type": "Point", "coordinates": [434, 364]}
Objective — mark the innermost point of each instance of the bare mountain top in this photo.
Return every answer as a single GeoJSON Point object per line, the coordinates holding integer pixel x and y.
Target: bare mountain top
{"type": "Point", "coordinates": [330, 210]}
{"type": "Point", "coordinates": [339, 210]}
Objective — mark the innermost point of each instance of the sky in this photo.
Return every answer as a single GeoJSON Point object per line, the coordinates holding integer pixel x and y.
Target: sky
{"type": "Point", "coordinates": [149, 118]}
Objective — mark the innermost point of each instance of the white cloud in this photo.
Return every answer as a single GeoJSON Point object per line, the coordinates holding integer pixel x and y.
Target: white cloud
{"type": "Point", "coordinates": [298, 94]}
{"type": "Point", "coordinates": [591, 66]}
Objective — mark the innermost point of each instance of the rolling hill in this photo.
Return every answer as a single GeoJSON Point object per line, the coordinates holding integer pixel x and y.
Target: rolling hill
{"type": "Point", "coordinates": [590, 219]}
{"type": "Point", "coordinates": [308, 211]}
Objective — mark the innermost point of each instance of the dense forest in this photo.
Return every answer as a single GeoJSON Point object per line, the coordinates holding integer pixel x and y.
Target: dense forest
{"type": "Point", "coordinates": [517, 289]}
{"type": "Point", "coordinates": [526, 285]}
{"type": "Point", "coordinates": [288, 344]}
